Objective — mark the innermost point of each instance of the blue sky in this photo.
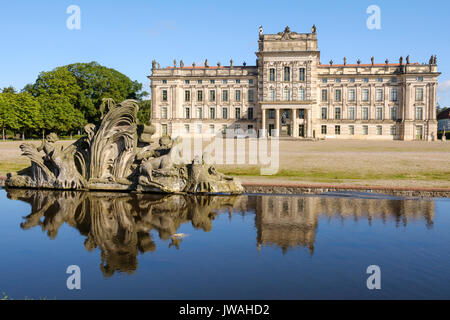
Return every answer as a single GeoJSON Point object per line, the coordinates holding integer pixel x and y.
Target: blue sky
{"type": "Point", "coordinates": [128, 35]}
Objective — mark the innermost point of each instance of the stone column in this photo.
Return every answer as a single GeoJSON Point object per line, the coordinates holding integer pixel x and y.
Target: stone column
{"type": "Point", "coordinates": [263, 131]}
{"type": "Point", "coordinates": [277, 122]}
{"type": "Point", "coordinates": [294, 123]}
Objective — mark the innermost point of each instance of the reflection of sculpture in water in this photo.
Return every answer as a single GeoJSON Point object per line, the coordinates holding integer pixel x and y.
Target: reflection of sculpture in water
{"type": "Point", "coordinates": [119, 225]}
{"type": "Point", "coordinates": [118, 155]}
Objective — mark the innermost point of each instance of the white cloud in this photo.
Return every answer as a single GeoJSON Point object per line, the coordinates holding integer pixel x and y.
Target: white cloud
{"type": "Point", "coordinates": [444, 86]}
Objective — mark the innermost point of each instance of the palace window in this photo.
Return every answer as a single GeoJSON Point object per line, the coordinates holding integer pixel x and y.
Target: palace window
{"type": "Point", "coordinates": [187, 129]}
{"type": "Point", "coordinates": [237, 113]}
{"type": "Point", "coordinates": [365, 113]}
{"type": "Point", "coordinates": [187, 113]}
{"type": "Point", "coordinates": [338, 80]}
{"type": "Point", "coordinates": [394, 113]}
{"type": "Point", "coordinates": [324, 80]}
{"type": "Point", "coordinates": [164, 113]}
{"type": "Point", "coordinates": [286, 94]}
{"type": "Point", "coordinates": [212, 95]}
{"type": "Point", "coordinates": [337, 130]}
{"type": "Point", "coordinates": [164, 129]}
{"type": "Point", "coordinates": [301, 94]}
{"type": "Point", "coordinates": [365, 95]}
{"type": "Point", "coordinates": [365, 130]}
{"type": "Point", "coordinates": [393, 130]}
{"type": "Point", "coordinates": [250, 95]}
{"type": "Point", "coordinates": [238, 81]}
{"type": "Point", "coordinates": [287, 74]}
{"type": "Point", "coordinates": [271, 113]}
{"type": "Point", "coordinates": [199, 81]}
{"type": "Point", "coordinates": [351, 113]}
{"type": "Point", "coordinates": [380, 79]}
{"type": "Point", "coordinates": [187, 81]}
{"type": "Point", "coordinates": [379, 94]}
{"type": "Point", "coordinates": [379, 113]}
{"type": "Point", "coordinates": [394, 80]}
{"type": "Point", "coordinates": [302, 74]}
{"type": "Point", "coordinates": [187, 95]}
{"type": "Point", "coordinates": [351, 130]}
{"type": "Point", "coordinates": [366, 80]}
{"type": "Point", "coordinates": [379, 130]}
{"type": "Point", "coordinates": [199, 128]}
{"type": "Point", "coordinates": [324, 95]}
{"type": "Point", "coordinates": [337, 113]}
{"type": "Point", "coordinates": [301, 113]}
{"type": "Point", "coordinates": [394, 94]}
{"type": "Point", "coordinates": [272, 94]}
{"type": "Point", "coordinates": [420, 79]}
{"type": "Point", "coordinates": [238, 95]}
{"type": "Point", "coordinates": [224, 81]}
{"type": "Point", "coordinates": [212, 81]}
{"type": "Point", "coordinates": [419, 113]}
{"type": "Point", "coordinates": [324, 129]}
{"type": "Point", "coordinates": [351, 95]}
{"type": "Point", "coordinates": [211, 129]}
{"type": "Point", "coordinates": [212, 113]}
{"type": "Point", "coordinates": [225, 95]}
{"type": "Point", "coordinates": [224, 129]}
{"type": "Point", "coordinates": [272, 74]}
{"type": "Point", "coordinates": [250, 81]}
{"type": "Point", "coordinates": [199, 95]}
{"type": "Point", "coordinates": [200, 113]}
{"type": "Point", "coordinates": [419, 94]}
{"type": "Point", "coordinates": [324, 113]}
{"type": "Point", "coordinates": [338, 95]}
{"type": "Point", "coordinates": [250, 113]}
{"type": "Point", "coordinates": [164, 81]}
{"type": "Point", "coordinates": [352, 80]}
{"type": "Point", "coordinates": [164, 95]}
{"type": "Point", "coordinates": [224, 113]}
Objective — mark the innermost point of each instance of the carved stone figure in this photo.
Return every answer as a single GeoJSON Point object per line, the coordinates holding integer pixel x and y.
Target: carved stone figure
{"type": "Point", "coordinates": [231, 63]}
{"type": "Point", "coordinates": [345, 61]}
{"type": "Point", "coordinates": [314, 29]}
{"type": "Point", "coordinates": [181, 63]}
{"type": "Point", "coordinates": [206, 63]}
{"type": "Point", "coordinates": [407, 59]}
{"type": "Point", "coordinates": [372, 60]}
{"type": "Point", "coordinates": [153, 64]}
{"type": "Point", "coordinates": [118, 155]}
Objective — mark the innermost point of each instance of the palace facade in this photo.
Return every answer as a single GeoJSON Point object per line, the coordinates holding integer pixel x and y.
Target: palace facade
{"type": "Point", "coordinates": [291, 93]}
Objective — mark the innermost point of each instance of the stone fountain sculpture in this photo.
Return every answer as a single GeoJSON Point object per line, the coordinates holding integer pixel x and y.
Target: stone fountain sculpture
{"type": "Point", "coordinates": [119, 155]}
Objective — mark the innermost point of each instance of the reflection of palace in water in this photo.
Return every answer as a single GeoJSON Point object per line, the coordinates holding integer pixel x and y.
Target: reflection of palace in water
{"type": "Point", "coordinates": [119, 225]}
{"type": "Point", "coordinates": [290, 221]}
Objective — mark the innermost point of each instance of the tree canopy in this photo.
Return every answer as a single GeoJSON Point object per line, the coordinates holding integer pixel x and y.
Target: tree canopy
{"type": "Point", "coordinates": [66, 98]}
{"type": "Point", "coordinates": [85, 85]}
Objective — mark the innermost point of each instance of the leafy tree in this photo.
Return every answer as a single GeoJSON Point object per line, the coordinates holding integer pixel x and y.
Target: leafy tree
{"type": "Point", "coordinates": [144, 113]}
{"type": "Point", "coordinates": [7, 116]}
{"type": "Point", "coordinates": [9, 89]}
{"type": "Point", "coordinates": [27, 113]}
{"type": "Point", "coordinates": [59, 114]}
{"type": "Point", "coordinates": [85, 85]}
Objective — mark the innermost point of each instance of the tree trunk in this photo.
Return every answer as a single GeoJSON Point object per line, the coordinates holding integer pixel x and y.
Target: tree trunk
{"type": "Point", "coordinates": [23, 135]}
{"type": "Point", "coordinates": [3, 133]}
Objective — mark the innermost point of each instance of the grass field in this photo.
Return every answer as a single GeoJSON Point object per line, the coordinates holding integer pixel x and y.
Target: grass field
{"type": "Point", "coordinates": [385, 163]}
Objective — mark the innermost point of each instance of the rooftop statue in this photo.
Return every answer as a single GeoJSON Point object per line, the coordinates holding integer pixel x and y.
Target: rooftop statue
{"type": "Point", "coordinates": [119, 154]}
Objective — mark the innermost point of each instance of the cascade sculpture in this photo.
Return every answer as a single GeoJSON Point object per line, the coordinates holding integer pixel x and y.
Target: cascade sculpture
{"type": "Point", "coordinates": [119, 155]}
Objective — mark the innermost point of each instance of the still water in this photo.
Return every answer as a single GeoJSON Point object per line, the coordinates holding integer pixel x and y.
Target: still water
{"type": "Point", "coordinates": [242, 247]}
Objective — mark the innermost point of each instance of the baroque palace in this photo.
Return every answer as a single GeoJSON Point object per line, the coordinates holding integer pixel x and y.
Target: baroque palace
{"type": "Point", "coordinates": [290, 93]}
